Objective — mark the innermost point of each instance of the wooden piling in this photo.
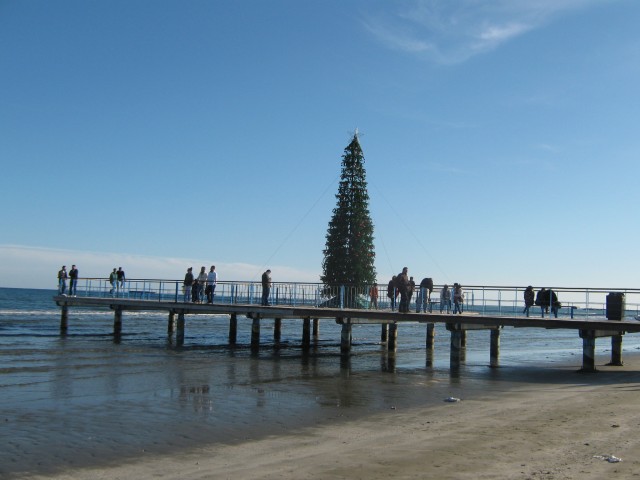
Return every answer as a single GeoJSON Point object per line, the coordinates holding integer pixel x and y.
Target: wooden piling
{"type": "Point", "coordinates": [180, 329]}
{"type": "Point", "coordinates": [233, 329]}
{"type": "Point", "coordinates": [117, 322]}
{"type": "Point", "coordinates": [393, 337]}
{"type": "Point", "coordinates": [494, 354]}
{"type": "Point", "coordinates": [255, 333]}
{"type": "Point", "coordinates": [456, 348]}
{"type": "Point", "coordinates": [345, 337]}
{"type": "Point", "coordinates": [64, 319]}
{"type": "Point", "coordinates": [384, 333]}
{"type": "Point", "coordinates": [306, 332]}
{"type": "Point", "coordinates": [431, 335]}
{"type": "Point", "coordinates": [277, 329]}
{"type": "Point", "coordinates": [316, 327]}
{"type": "Point", "coordinates": [171, 323]}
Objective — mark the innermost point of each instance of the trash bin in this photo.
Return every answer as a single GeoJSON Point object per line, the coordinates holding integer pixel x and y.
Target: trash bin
{"type": "Point", "coordinates": [615, 306]}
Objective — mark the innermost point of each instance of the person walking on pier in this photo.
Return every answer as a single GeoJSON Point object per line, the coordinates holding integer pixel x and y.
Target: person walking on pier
{"type": "Point", "coordinates": [121, 278]}
{"type": "Point", "coordinates": [373, 295]}
{"type": "Point", "coordinates": [212, 280]}
{"type": "Point", "coordinates": [445, 298]}
{"type": "Point", "coordinates": [187, 284]}
{"type": "Point", "coordinates": [62, 280]}
{"type": "Point", "coordinates": [424, 295]}
{"type": "Point", "coordinates": [113, 279]}
{"type": "Point", "coordinates": [73, 280]}
{"type": "Point", "coordinates": [266, 287]}
{"type": "Point", "coordinates": [402, 282]}
{"type": "Point", "coordinates": [412, 288]}
{"type": "Point", "coordinates": [528, 299]}
{"type": "Point", "coordinates": [202, 281]}
{"type": "Point", "coordinates": [458, 298]}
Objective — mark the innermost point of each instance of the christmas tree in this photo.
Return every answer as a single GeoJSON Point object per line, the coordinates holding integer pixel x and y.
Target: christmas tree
{"type": "Point", "coordinates": [349, 252]}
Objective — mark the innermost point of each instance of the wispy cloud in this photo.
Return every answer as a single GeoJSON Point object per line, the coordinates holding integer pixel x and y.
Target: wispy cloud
{"type": "Point", "coordinates": [452, 32]}
{"type": "Point", "coordinates": [37, 267]}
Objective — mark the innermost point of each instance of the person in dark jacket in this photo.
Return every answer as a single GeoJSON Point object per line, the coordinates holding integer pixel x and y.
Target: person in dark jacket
{"type": "Point", "coordinates": [266, 287]}
{"type": "Point", "coordinates": [392, 292]}
{"type": "Point", "coordinates": [424, 295]}
{"type": "Point", "coordinates": [187, 284]}
{"type": "Point", "coordinates": [528, 299]}
{"type": "Point", "coordinates": [402, 284]}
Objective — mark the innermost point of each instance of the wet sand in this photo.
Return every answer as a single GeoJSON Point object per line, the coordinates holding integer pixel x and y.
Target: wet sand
{"type": "Point", "coordinates": [538, 423]}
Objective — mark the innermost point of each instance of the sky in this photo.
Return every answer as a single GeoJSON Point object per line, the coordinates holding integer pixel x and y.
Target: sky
{"type": "Point", "coordinates": [501, 138]}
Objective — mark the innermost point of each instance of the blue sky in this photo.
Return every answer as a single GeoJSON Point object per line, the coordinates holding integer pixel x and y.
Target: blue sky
{"type": "Point", "coordinates": [501, 138]}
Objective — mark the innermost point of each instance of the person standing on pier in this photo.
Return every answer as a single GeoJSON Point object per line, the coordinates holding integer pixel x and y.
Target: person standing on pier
{"type": "Point", "coordinates": [121, 278]}
{"type": "Point", "coordinates": [392, 292]}
{"type": "Point", "coordinates": [212, 280]}
{"type": "Point", "coordinates": [424, 295]}
{"type": "Point", "coordinates": [202, 281]}
{"type": "Point", "coordinates": [266, 287]}
{"type": "Point", "coordinates": [113, 279]}
{"type": "Point", "coordinates": [458, 298]}
{"type": "Point", "coordinates": [528, 299]}
{"type": "Point", "coordinates": [445, 298]}
{"type": "Point", "coordinates": [412, 288]}
{"type": "Point", "coordinates": [62, 280]}
{"type": "Point", "coordinates": [373, 295]}
{"type": "Point", "coordinates": [402, 282]}
{"type": "Point", "coordinates": [187, 284]}
{"type": "Point", "coordinates": [542, 300]}
{"type": "Point", "coordinates": [73, 280]}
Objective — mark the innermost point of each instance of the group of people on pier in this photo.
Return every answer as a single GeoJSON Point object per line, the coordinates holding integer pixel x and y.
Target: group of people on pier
{"type": "Point", "coordinates": [196, 288]}
{"type": "Point", "coordinates": [545, 299]}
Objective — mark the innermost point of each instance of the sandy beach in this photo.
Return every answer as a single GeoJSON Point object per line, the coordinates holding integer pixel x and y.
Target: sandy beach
{"type": "Point", "coordinates": [558, 425]}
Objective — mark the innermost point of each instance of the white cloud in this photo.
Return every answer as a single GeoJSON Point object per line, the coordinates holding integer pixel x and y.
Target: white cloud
{"type": "Point", "coordinates": [37, 267]}
{"type": "Point", "coordinates": [452, 32]}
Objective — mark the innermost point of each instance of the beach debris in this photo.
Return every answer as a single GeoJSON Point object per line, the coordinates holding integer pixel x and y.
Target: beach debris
{"type": "Point", "coordinates": [451, 399]}
{"type": "Point", "coordinates": [393, 407]}
{"type": "Point", "coordinates": [608, 458]}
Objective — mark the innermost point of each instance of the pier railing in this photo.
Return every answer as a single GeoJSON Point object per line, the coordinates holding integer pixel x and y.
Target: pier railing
{"type": "Point", "coordinates": [481, 300]}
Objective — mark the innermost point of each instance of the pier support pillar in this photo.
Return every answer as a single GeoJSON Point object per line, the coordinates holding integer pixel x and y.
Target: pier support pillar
{"type": "Point", "coordinates": [463, 339]}
{"type": "Point", "coordinates": [431, 335]}
{"type": "Point", "coordinates": [171, 323]}
{"type": "Point", "coordinates": [64, 319]}
{"type": "Point", "coordinates": [306, 332]}
{"type": "Point", "coordinates": [316, 327]}
{"type": "Point", "coordinates": [456, 349]}
{"type": "Point", "coordinates": [233, 329]}
{"type": "Point", "coordinates": [117, 322]}
{"type": "Point", "coordinates": [393, 337]}
{"type": "Point", "coordinates": [384, 333]}
{"type": "Point", "coordinates": [255, 334]}
{"type": "Point", "coordinates": [277, 329]}
{"type": "Point", "coordinates": [616, 351]}
{"type": "Point", "coordinates": [494, 354]}
{"type": "Point", "coordinates": [588, 350]}
{"type": "Point", "coordinates": [345, 337]}
{"type": "Point", "coordinates": [180, 329]}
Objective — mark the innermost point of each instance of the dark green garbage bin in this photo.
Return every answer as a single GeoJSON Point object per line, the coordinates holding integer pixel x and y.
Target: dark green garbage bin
{"type": "Point", "coordinates": [615, 306]}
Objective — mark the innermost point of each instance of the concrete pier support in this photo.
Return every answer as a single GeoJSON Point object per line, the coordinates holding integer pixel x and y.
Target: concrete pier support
{"type": "Point", "coordinates": [233, 329]}
{"type": "Point", "coordinates": [463, 339]}
{"type": "Point", "coordinates": [384, 333]}
{"type": "Point", "coordinates": [393, 337]}
{"type": "Point", "coordinates": [277, 329]}
{"type": "Point", "coordinates": [616, 351]}
{"type": "Point", "coordinates": [64, 319]}
{"type": "Point", "coordinates": [588, 351]}
{"type": "Point", "coordinates": [180, 329]}
{"type": "Point", "coordinates": [171, 323]}
{"type": "Point", "coordinates": [345, 337]}
{"type": "Point", "coordinates": [456, 349]}
{"type": "Point", "coordinates": [117, 322]}
{"type": "Point", "coordinates": [255, 334]}
{"type": "Point", "coordinates": [316, 327]}
{"type": "Point", "coordinates": [306, 332]}
{"type": "Point", "coordinates": [494, 355]}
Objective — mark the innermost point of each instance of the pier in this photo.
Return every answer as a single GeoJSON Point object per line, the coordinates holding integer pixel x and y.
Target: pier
{"type": "Point", "coordinates": [589, 312]}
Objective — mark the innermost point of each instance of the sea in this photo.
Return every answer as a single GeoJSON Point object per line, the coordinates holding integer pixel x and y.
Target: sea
{"type": "Point", "coordinates": [89, 398]}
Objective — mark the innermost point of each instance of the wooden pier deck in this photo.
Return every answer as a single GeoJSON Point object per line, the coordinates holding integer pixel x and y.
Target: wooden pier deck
{"type": "Point", "coordinates": [588, 329]}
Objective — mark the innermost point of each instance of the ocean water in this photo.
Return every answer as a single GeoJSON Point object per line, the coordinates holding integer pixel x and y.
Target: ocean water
{"type": "Point", "coordinates": [87, 398]}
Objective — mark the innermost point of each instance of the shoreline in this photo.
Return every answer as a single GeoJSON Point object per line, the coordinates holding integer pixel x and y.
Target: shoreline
{"type": "Point", "coordinates": [548, 423]}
